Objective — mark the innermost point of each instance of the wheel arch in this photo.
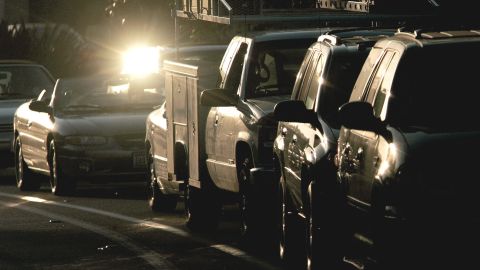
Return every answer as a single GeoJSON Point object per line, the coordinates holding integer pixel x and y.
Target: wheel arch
{"type": "Point", "coordinates": [242, 151]}
{"type": "Point", "coordinates": [180, 154]}
{"type": "Point", "coordinates": [47, 141]}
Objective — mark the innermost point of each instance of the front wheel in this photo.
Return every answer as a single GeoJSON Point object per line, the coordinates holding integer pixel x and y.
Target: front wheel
{"type": "Point", "coordinates": [158, 201]}
{"type": "Point", "coordinates": [26, 180]}
{"type": "Point", "coordinates": [324, 238]}
{"type": "Point", "coordinates": [59, 184]}
{"type": "Point", "coordinates": [284, 225]}
{"type": "Point", "coordinates": [249, 215]}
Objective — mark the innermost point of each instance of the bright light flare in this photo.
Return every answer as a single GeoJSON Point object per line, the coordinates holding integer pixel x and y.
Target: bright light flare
{"type": "Point", "coordinates": [141, 61]}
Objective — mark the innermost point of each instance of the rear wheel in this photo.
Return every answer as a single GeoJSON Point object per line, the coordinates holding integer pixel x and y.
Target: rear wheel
{"type": "Point", "coordinates": [202, 208]}
{"type": "Point", "coordinates": [26, 179]}
{"type": "Point", "coordinates": [158, 201]}
{"type": "Point", "coordinates": [60, 185]}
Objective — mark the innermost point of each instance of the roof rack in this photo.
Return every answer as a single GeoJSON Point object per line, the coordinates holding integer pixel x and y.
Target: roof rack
{"type": "Point", "coordinates": [332, 39]}
{"type": "Point", "coordinates": [432, 34]}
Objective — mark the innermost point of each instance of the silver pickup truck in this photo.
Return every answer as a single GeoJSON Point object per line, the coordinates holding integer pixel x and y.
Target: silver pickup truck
{"type": "Point", "coordinates": [224, 154]}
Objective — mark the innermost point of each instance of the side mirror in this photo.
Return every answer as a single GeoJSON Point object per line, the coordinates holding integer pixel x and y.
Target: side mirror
{"type": "Point", "coordinates": [218, 97]}
{"type": "Point", "coordinates": [40, 106]}
{"type": "Point", "coordinates": [359, 115]}
{"type": "Point", "coordinates": [292, 111]}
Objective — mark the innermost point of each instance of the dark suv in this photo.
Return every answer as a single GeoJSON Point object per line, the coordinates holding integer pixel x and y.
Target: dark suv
{"type": "Point", "coordinates": [307, 134]}
{"type": "Point", "coordinates": [407, 149]}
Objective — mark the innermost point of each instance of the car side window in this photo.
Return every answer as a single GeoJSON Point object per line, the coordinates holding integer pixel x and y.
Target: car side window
{"type": "Point", "coordinates": [314, 84]}
{"type": "Point", "coordinates": [235, 72]}
{"type": "Point", "coordinates": [227, 59]}
{"type": "Point", "coordinates": [383, 92]}
{"type": "Point", "coordinates": [308, 76]}
{"type": "Point", "coordinates": [377, 76]}
{"type": "Point", "coordinates": [363, 77]}
{"type": "Point", "coordinates": [300, 74]}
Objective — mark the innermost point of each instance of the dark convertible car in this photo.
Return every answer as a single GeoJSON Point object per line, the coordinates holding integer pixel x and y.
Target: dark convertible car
{"type": "Point", "coordinates": [87, 127]}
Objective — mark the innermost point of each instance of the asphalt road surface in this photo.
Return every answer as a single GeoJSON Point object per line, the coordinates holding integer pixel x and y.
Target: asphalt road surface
{"type": "Point", "coordinates": [109, 226]}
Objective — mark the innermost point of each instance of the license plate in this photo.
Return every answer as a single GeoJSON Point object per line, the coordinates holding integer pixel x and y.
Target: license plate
{"type": "Point", "coordinates": [139, 160]}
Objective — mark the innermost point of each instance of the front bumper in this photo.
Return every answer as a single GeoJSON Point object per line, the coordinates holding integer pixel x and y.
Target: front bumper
{"type": "Point", "coordinates": [95, 163]}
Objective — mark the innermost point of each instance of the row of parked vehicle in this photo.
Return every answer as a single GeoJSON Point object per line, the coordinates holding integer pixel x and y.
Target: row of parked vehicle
{"type": "Point", "coordinates": [365, 156]}
{"type": "Point", "coordinates": [362, 138]}
{"type": "Point", "coordinates": [371, 156]}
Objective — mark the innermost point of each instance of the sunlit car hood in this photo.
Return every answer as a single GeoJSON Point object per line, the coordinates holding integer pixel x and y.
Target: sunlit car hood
{"type": "Point", "coordinates": [265, 105]}
{"type": "Point", "coordinates": [106, 124]}
{"type": "Point", "coordinates": [8, 108]}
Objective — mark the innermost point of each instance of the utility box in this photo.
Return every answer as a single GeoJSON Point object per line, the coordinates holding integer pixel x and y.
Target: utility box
{"type": "Point", "coordinates": [186, 118]}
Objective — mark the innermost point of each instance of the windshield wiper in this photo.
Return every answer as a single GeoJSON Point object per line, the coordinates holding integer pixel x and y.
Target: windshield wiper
{"type": "Point", "coordinates": [11, 94]}
{"type": "Point", "coordinates": [14, 95]}
{"type": "Point", "coordinates": [141, 105]}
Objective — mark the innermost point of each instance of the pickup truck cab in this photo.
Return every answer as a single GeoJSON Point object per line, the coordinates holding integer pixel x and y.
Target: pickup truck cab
{"type": "Point", "coordinates": [307, 136]}
{"type": "Point", "coordinates": [407, 152]}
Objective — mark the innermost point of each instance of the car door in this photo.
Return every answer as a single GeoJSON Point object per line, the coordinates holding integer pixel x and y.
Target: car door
{"type": "Point", "coordinates": [286, 129]}
{"type": "Point", "coordinates": [302, 133]}
{"type": "Point", "coordinates": [362, 145]}
{"type": "Point", "coordinates": [221, 122]}
{"type": "Point", "coordinates": [39, 126]}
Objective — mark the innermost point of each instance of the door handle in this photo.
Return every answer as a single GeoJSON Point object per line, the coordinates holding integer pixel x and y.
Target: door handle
{"type": "Point", "coordinates": [216, 120]}
{"type": "Point", "coordinates": [316, 140]}
{"type": "Point", "coordinates": [357, 159]}
{"type": "Point", "coordinates": [359, 155]}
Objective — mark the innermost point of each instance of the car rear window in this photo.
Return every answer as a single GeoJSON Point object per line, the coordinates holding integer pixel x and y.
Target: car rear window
{"type": "Point", "coordinates": [436, 88]}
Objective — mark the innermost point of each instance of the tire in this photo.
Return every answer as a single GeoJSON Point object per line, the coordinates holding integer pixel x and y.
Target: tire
{"type": "Point", "coordinates": [284, 227]}
{"type": "Point", "coordinates": [248, 204]}
{"type": "Point", "coordinates": [324, 237]}
{"type": "Point", "coordinates": [26, 179]}
{"type": "Point", "coordinates": [202, 209]}
{"type": "Point", "coordinates": [158, 201]}
{"type": "Point", "coordinates": [60, 186]}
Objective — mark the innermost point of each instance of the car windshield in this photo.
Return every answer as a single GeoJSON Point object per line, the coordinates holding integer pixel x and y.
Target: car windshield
{"type": "Point", "coordinates": [274, 67]}
{"type": "Point", "coordinates": [101, 94]}
{"type": "Point", "coordinates": [23, 81]}
{"type": "Point", "coordinates": [436, 89]}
